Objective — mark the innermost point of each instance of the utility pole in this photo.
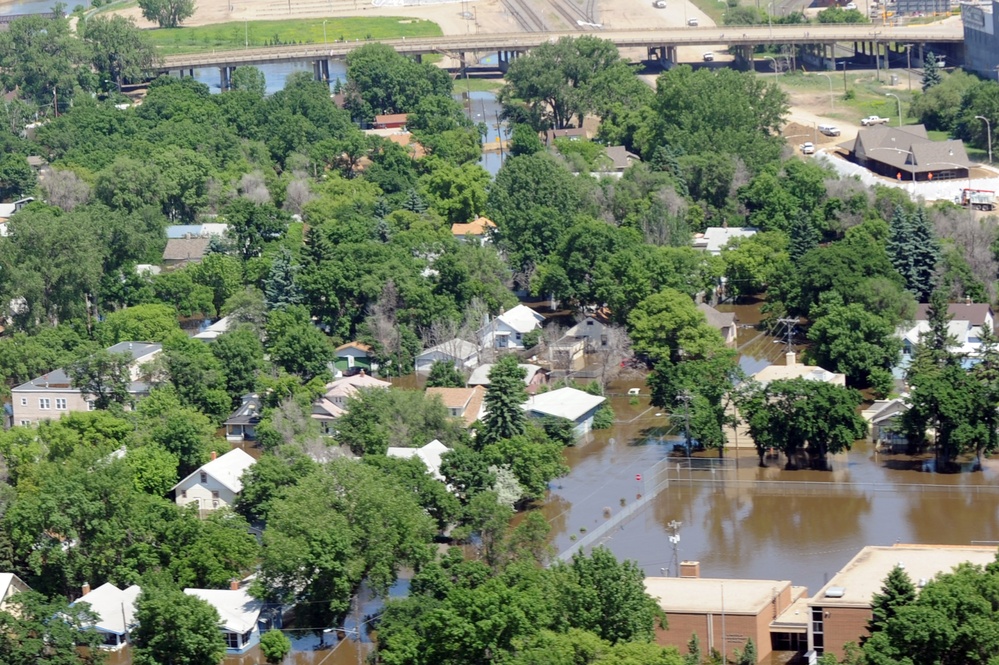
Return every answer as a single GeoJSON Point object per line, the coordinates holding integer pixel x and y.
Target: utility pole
{"type": "Point", "coordinates": [685, 398]}
{"type": "Point", "coordinates": [674, 540]}
{"type": "Point", "coordinates": [499, 135]}
{"type": "Point", "coordinates": [790, 323]}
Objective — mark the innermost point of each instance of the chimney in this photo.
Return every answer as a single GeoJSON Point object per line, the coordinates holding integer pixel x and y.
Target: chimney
{"type": "Point", "coordinates": [85, 589]}
{"type": "Point", "coordinates": [790, 358]}
{"type": "Point", "coordinates": [214, 455]}
{"type": "Point", "coordinates": [234, 584]}
{"type": "Point", "coordinates": [690, 569]}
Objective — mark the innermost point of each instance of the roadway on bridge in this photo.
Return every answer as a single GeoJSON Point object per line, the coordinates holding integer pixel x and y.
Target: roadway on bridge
{"type": "Point", "coordinates": [727, 35]}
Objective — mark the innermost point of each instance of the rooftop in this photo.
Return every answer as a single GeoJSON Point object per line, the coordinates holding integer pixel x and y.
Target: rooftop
{"type": "Point", "coordinates": [354, 345]}
{"type": "Point", "coordinates": [977, 314]}
{"type": "Point", "coordinates": [795, 370]}
{"type": "Point", "coordinates": [227, 469]}
{"type": "Point", "coordinates": [716, 319]}
{"type": "Point", "coordinates": [348, 385]}
{"type": "Point", "coordinates": [323, 409]}
{"type": "Point", "coordinates": [864, 575]}
{"type": "Point", "coordinates": [564, 403]}
{"type": "Point", "coordinates": [716, 237]}
{"type": "Point", "coordinates": [702, 595]}
{"type": "Point", "coordinates": [58, 379]}
{"type": "Point", "coordinates": [183, 249]}
{"type": "Point", "coordinates": [480, 375]}
{"type": "Point", "coordinates": [430, 454]}
{"type": "Point", "coordinates": [521, 318]}
{"type": "Point", "coordinates": [114, 607]}
{"type": "Point", "coordinates": [907, 148]}
{"type": "Point", "coordinates": [248, 412]}
{"type": "Point", "coordinates": [238, 610]}
{"type": "Point", "coordinates": [476, 227]}
{"type": "Point", "coordinates": [213, 331]}
{"type": "Point", "coordinates": [456, 348]}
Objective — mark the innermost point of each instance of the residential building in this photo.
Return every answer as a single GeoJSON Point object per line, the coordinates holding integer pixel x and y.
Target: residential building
{"type": "Point", "coordinates": [840, 611]}
{"type": "Point", "coordinates": [725, 613]}
{"type": "Point", "coordinates": [723, 322]}
{"type": "Point", "coordinates": [716, 237]}
{"type": "Point", "coordinates": [907, 154]}
{"type": "Point", "coordinates": [534, 377]}
{"type": "Point", "coordinates": [239, 613]}
{"type": "Point", "coordinates": [215, 484]}
{"type": "Point", "coordinates": [967, 323]}
{"type": "Point", "coordinates": [464, 403]}
{"type": "Point", "coordinates": [340, 390]}
{"type": "Point", "coordinates": [181, 251]}
{"type": "Point", "coordinates": [242, 424]}
{"type": "Point", "coordinates": [620, 157]}
{"type": "Point", "coordinates": [115, 610]}
{"type": "Point", "coordinates": [478, 230]}
{"type": "Point", "coordinates": [591, 331]}
{"type": "Point", "coordinates": [7, 211]}
{"type": "Point", "coordinates": [792, 369]}
{"type": "Point", "coordinates": [574, 405]}
{"type": "Point", "coordinates": [571, 133]}
{"type": "Point", "coordinates": [10, 584]}
{"type": "Point", "coordinates": [462, 354]}
{"type": "Point", "coordinates": [884, 417]}
{"type": "Point", "coordinates": [507, 330]}
{"type": "Point", "coordinates": [978, 315]}
{"type": "Point", "coordinates": [180, 231]}
{"type": "Point", "coordinates": [49, 396]}
{"type": "Point", "coordinates": [430, 454]}
{"type": "Point", "coordinates": [326, 413]}
{"type": "Point", "coordinates": [390, 121]}
{"type": "Point", "coordinates": [353, 357]}
{"type": "Point", "coordinates": [213, 331]}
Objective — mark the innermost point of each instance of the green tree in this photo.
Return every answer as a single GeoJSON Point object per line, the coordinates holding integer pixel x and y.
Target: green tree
{"type": "Point", "coordinates": [41, 58]}
{"type": "Point", "coordinates": [377, 419]}
{"type": "Point", "coordinates": [269, 479]}
{"type": "Point", "coordinates": [668, 326]}
{"type": "Point", "coordinates": [29, 635]}
{"type": "Point", "coordinates": [855, 341]}
{"type": "Point", "coordinates": [104, 377]}
{"type": "Point", "coordinates": [242, 355]}
{"type": "Point", "coordinates": [751, 264]}
{"type": "Point", "coordinates": [175, 628]}
{"type": "Point", "coordinates": [118, 48]}
{"type": "Point", "coordinates": [383, 81]}
{"type": "Point", "coordinates": [524, 140]}
{"type": "Point", "coordinates": [17, 179]}
{"type": "Point", "coordinates": [444, 374]}
{"type": "Point", "coordinates": [504, 399]}
{"type": "Point", "coordinates": [914, 250]}
{"type": "Point", "coordinates": [252, 225]}
{"type": "Point", "coordinates": [534, 458]}
{"type": "Point", "coordinates": [280, 289]}
{"type": "Point", "coordinates": [209, 553]}
{"type": "Point", "coordinates": [897, 592]}
{"type": "Point", "coordinates": [940, 107]}
{"type": "Point", "coordinates": [142, 323]}
{"type": "Point", "coordinates": [220, 273]}
{"type": "Point", "coordinates": [249, 79]}
{"type": "Point", "coordinates": [154, 468]}
{"type": "Point", "coordinates": [167, 13]}
{"type": "Point", "coordinates": [746, 656]}
{"type": "Point", "coordinates": [275, 645]}
{"type": "Point", "coordinates": [931, 71]}
{"type": "Point", "coordinates": [197, 376]}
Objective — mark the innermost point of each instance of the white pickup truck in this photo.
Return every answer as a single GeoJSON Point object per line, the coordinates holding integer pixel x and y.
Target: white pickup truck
{"type": "Point", "coordinates": [874, 120]}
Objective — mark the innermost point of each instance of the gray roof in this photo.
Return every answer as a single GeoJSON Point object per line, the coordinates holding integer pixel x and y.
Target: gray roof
{"type": "Point", "coordinates": [248, 412]}
{"type": "Point", "coordinates": [58, 379]}
{"type": "Point", "coordinates": [908, 148]}
{"type": "Point", "coordinates": [480, 375]}
{"type": "Point", "coordinates": [974, 313]}
{"type": "Point", "coordinates": [621, 157]}
{"type": "Point", "coordinates": [183, 249]}
{"type": "Point", "coordinates": [136, 349]}
{"type": "Point", "coordinates": [716, 319]}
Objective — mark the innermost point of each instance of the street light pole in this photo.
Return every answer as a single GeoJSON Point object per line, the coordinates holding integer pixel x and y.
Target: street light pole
{"type": "Point", "coordinates": [908, 64]}
{"type": "Point", "coordinates": [988, 128]}
{"type": "Point", "coordinates": [898, 102]}
{"type": "Point", "coordinates": [832, 97]}
{"type": "Point", "coordinates": [844, 63]}
{"type": "Point", "coordinates": [324, 31]}
{"type": "Point", "coordinates": [774, 60]}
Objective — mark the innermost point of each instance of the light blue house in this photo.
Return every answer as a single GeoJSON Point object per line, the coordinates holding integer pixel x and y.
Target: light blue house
{"type": "Point", "coordinates": [574, 405]}
{"type": "Point", "coordinates": [115, 611]}
{"type": "Point", "coordinates": [240, 614]}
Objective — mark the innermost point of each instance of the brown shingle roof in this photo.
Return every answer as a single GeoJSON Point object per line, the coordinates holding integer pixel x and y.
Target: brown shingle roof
{"type": "Point", "coordinates": [908, 149]}
{"type": "Point", "coordinates": [476, 227]}
{"type": "Point", "coordinates": [974, 313]}
{"type": "Point", "coordinates": [183, 249]}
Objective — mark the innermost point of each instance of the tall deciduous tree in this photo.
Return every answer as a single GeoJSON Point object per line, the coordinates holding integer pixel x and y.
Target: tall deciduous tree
{"type": "Point", "coordinates": [443, 374]}
{"type": "Point", "coordinates": [175, 628]}
{"type": "Point", "coordinates": [504, 399]}
{"type": "Point", "coordinates": [105, 377]}
{"type": "Point", "coordinates": [31, 633]}
{"type": "Point", "coordinates": [856, 341]}
{"type": "Point", "coordinates": [383, 81]}
{"type": "Point", "coordinates": [167, 13]}
{"type": "Point", "coordinates": [118, 48]}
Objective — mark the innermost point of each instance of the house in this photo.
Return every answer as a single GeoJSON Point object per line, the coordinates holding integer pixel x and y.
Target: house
{"type": "Point", "coordinates": [7, 211]}
{"type": "Point", "coordinates": [507, 330]}
{"type": "Point", "coordinates": [115, 610]}
{"type": "Point", "coordinates": [725, 613]}
{"type": "Point", "coordinates": [338, 391]}
{"type": "Point", "coordinates": [569, 403]}
{"type": "Point", "coordinates": [180, 251]}
{"type": "Point", "coordinates": [49, 396]}
{"type": "Point", "coordinates": [567, 353]}
{"type": "Point", "coordinates": [723, 322]}
{"type": "Point", "coordinates": [478, 230]}
{"type": "Point", "coordinates": [620, 157]}
{"type": "Point", "coordinates": [591, 331]}
{"type": "Point", "coordinates": [216, 329]}
{"type": "Point", "coordinates": [181, 231]}
{"type": "Point", "coordinates": [430, 454]}
{"type": "Point", "coordinates": [907, 154]}
{"type": "Point", "coordinates": [242, 424]}
{"type": "Point", "coordinates": [353, 356]}
{"type": "Point", "coordinates": [462, 354]}
{"type": "Point", "coordinates": [534, 377]}
{"type": "Point", "coordinates": [239, 613]}
{"type": "Point", "coordinates": [464, 403]}
{"type": "Point", "coordinates": [10, 584]}
{"type": "Point", "coordinates": [978, 315]}
{"type": "Point", "coordinates": [792, 369]}
{"type": "Point", "coordinates": [571, 133]}
{"type": "Point", "coordinates": [326, 413]}
{"type": "Point", "coordinates": [968, 321]}
{"type": "Point", "coordinates": [841, 609]}
{"type": "Point", "coordinates": [716, 237]}
{"type": "Point", "coordinates": [884, 417]}
{"type": "Point", "coordinates": [216, 484]}
{"type": "Point", "coordinates": [390, 121]}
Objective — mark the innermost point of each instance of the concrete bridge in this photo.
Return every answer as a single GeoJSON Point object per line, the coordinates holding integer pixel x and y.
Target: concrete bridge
{"type": "Point", "coordinates": [820, 40]}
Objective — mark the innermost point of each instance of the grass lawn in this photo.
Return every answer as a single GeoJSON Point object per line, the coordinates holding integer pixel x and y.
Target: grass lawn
{"type": "Point", "coordinates": [713, 8]}
{"type": "Point", "coordinates": [867, 95]}
{"type": "Point", "coordinates": [236, 35]}
{"type": "Point", "coordinates": [478, 84]}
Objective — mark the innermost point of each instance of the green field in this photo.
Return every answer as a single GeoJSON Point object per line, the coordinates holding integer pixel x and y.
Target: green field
{"type": "Point", "coordinates": [237, 35]}
{"type": "Point", "coordinates": [478, 84]}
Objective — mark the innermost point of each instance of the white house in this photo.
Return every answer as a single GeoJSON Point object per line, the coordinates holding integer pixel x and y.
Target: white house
{"type": "Point", "coordinates": [337, 392]}
{"type": "Point", "coordinates": [792, 369]}
{"type": "Point", "coordinates": [213, 331]}
{"type": "Point", "coordinates": [10, 584]}
{"type": "Point", "coordinates": [462, 354]}
{"type": "Point", "coordinates": [217, 483]}
{"type": "Point", "coordinates": [716, 237]}
{"type": "Point", "coordinates": [534, 376]}
{"type": "Point", "coordinates": [240, 615]}
{"type": "Point", "coordinates": [430, 454]}
{"type": "Point", "coordinates": [569, 403]}
{"type": "Point", "coordinates": [507, 330]}
{"type": "Point", "coordinates": [115, 610]}
{"type": "Point", "coordinates": [967, 322]}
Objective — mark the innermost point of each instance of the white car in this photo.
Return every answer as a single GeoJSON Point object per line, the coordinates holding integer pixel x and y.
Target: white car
{"type": "Point", "coordinates": [808, 148]}
{"type": "Point", "coordinates": [692, 22]}
{"type": "Point", "coordinates": [659, 4]}
{"type": "Point", "coordinates": [850, 5]}
{"type": "Point", "coordinates": [709, 57]}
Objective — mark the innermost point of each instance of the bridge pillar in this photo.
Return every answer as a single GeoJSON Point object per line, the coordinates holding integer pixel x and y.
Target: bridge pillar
{"type": "Point", "coordinates": [671, 54]}
{"type": "Point", "coordinates": [225, 77]}
{"type": "Point", "coordinates": [503, 61]}
{"type": "Point", "coordinates": [326, 70]}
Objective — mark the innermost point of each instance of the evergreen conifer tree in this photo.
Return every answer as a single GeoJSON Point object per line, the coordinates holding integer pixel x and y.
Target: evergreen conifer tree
{"type": "Point", "coordinates": [931, 71]}
{"type": "Point", "coordinates": [414, 203]}
{"type": "Point", "coordinates": [280, 289]}
{"type": "Point", "coordinates": [506, 393]}
{"type": "Point", "coordinates": [804, 235]}
{"type": "Point", "coordinates": [897, 592]}
{"type": "Point", "coordinates": [914, 250]}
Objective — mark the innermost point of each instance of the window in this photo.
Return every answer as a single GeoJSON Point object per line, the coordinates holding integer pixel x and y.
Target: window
{"type": "Point", "coordinates": [215, 495]}
{"type": "Point", "coordinates": [183, 494]}
{"type": "Point", "coordinates": [25, 423]}
{"type": "Point", "coordinates": [232, 640]}
{"type": "Point", "coordinates": [204, 477]}
{"type": "Point", "coordinates": [91, 406]}
{"type": "Point", "coordinates": [24, 401]}
{"type": "Point", "coordinates": [44, 403]}
{"type": "Point", "coordinates": [60, 403]}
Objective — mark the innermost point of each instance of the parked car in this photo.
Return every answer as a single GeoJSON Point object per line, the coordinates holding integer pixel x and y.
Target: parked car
{"type": "Point", "coordinates": [692, 22]}
{"type": "Point", "coordinates": [659, 4]}
{"type": "Point", "coordinates": [872, 120]}
{"type": "Point", "coordinates": [829, 130]}
{"type": "Point", "coordinates": [850, 5]}
{"type": "Point", "coordinates": [709, 57]}
{"type": "Point", "coordinates": [807, 148]}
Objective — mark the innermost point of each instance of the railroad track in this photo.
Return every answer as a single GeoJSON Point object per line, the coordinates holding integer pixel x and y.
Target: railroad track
{"type": "Point", "coordinates": [572, 12]}
{"type": "Point", "coordinates": [528, 19]}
